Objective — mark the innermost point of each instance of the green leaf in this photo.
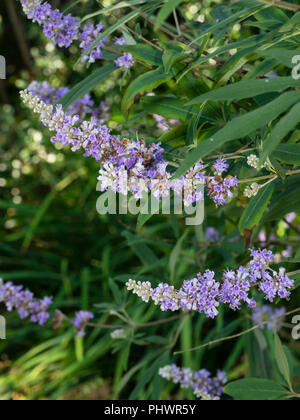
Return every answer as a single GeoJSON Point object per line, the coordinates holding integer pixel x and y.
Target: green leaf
{"type": "Point", "coordinates": [231, 20]}
{"type": "Point", "coordinates": [285, 125]}
{"type": "Point", "coordinates": [288, 153]}
{"type": "Point", "coordinates": [292, 23]}
{"type": "Point", "coordinates": [112, 28]}
{"type": "Point", "coordinates": [247, 89]}
{"type": "Point", "coordinates": [148, 374]}
{"type": "Point", "coordinates": [175, 254]}
{"type": "Point", "coordinates": [171, 57]}
{"type": "Point", "coordinates": [86, 85]}
{"type": "Point", "coordinates": [282, 55]}
{"type": "Point", "coordinates": [143, 84]}
{"type": "Point", "coordinates": [142, 251]}
{"type": "Point", "coordinates": [282, 361]}
{"type": "Point", "coordinates": [170, 108]}
{"type": "Point", "coordinates": [238, 128]}
{"type": "Point", "coordinates": [145, 53]}
{"type": "Point", "coordinates": [286, 202]}
{"type": "Point", "coordinates": [110, 9]}
{"type": "Point", "coordinates": [142, 219]}
{"type": "Point", "coordinates": [256, 208]}
{"type": "Point", "coordinates": [255, 390]}
{"type": "Point", "coordinates": [166, 10]}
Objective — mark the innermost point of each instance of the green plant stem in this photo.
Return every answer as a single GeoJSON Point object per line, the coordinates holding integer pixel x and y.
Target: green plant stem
{"type": "Point", "coordinates": [232, 337]}
{"type": "Point", "coordinates": [263, 178]}
{"type": "Point", "coordinates": [282, 4]}
{"type": "Point", "coordinates": [134, 325]}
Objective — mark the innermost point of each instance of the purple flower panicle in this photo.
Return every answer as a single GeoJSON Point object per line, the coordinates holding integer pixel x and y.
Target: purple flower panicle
{"type": "Point", "coordinates": [203, 384]}
{"type": "Point", "coordinates": [126, 165]}
{"type": "Point", "coordinates": [63, 30]}
{"type": "Point", "coordinates": [204, 294]}
{"type": "Point", "coordinates": [23, 301]}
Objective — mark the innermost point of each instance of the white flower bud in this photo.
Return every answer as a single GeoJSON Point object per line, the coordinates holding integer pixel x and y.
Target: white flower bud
{"type": "Point", "coordinates": [252, 191]}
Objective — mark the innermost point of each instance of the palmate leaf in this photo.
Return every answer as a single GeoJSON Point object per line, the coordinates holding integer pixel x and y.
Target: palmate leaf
{"type": "Point", "coordinates": [238, 128]}
{"type": "Point", "coordinates": [255, 40]}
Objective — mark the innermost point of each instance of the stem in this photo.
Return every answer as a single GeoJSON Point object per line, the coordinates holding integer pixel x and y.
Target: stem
{"type": "Point", "coordinates": [293, 273]}
{"type": "Point", "coordinates": [232, 337]}
{"type": "Point", "coordinates": [262, 178]}
{"type": "Point", "coordinates": [178, 332]}
{"type": "Point", "coordinates": [143, 325]}
{"type": "Point", "coordinates": [177, 22]}
{"type": "Point", "coordinates": [229, 155]}
{"type": "Point", "coordinates": [282, 4]}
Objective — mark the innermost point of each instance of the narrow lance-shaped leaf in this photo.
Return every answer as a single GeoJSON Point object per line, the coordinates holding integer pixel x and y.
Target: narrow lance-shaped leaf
{"type": "Point", "coordinates": [285, 125]}
{"type": "Point", "coordinates": [125, 19]}
{"type": "Point", "coordinates": [166, 10]}
{"type": "Point", "coordinates": [170, 108]}
{"type": "Point", "coordinates": [145, 53]}
{"type": "Point", "coordinates": [238, 128]}
{"type": "Point", "coordinates": [143, 84]}
{"type": "Point", "coordinates": [286, 202]}
{"type": "Point", "coordinates": [253, 389]}
{"type": "Point", "coordinates": [107, 10]}
{"type": "Point", "coordinates": [256, 208]}
{"type": "Point", "coordinates": [86, 85]}
{"type": "Point", "coordinates": [288, 153]}
{"type": "Point", "coordinates": [174, 257]}
{"type": "Point", "coordinates": [282, 361]}
{"type": "Point", "coordinates": [247, 89]}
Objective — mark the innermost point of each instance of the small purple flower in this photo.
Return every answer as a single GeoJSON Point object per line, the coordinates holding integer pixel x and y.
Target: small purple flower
{"type": "Point", "coordinates": [212, 234]}
{"type": "Point", "coordinates": [126, 61]}
{"type": "Point", "coordinates": [220, 166]}
{"type": "Point", "coordinates": [121, 41]}
{"type": "Point", "coordinates": [277, 284]}
{"type": "Point", "coordinates": [81, 320]}
{"type": "Point", "coordinates": [200, 294]}
{"type": "Point", "coordinates": [88, 36]}
{"type": "Point", "coordinates": [236, 288]}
